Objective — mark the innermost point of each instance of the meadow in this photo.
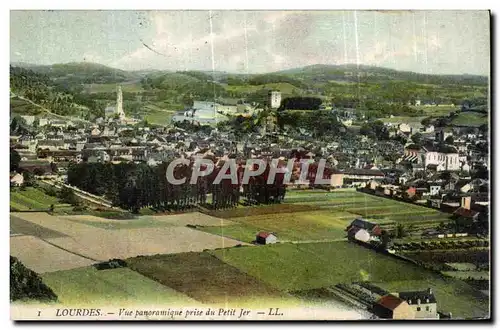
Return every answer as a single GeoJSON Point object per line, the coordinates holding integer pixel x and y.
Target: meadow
{"type": "Point", "coordinates": [314, 215]}
{"type": "Point", "coordinates": [302, 267]}
{"type": "Point", "coordinates": [88, 286]}
{"type": "Point", "coordinates": [473, 119]}
{"type": "Point", "coordinates": [32, 199]}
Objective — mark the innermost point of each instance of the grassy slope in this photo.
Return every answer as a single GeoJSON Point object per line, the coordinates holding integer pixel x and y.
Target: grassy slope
{"type": "Point", "coordinates": [31, 198]}
{"type": "Point", "coordinates": [470, 119]}
{"type": "Point", "coordinates": [122, 286]}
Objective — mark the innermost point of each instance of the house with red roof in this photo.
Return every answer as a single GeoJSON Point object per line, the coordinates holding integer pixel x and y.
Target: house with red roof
{"type": "Point", "coordinates": [266, 238]}
{"type": "Point", "coordinates": [393, 307]}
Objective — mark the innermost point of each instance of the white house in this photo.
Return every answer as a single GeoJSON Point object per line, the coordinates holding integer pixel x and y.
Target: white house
{"type": "Point", "coordinates": [17, 180]}
{"type": "Point", "coordinates": [404, 128]}
{"type": "Point", "coordinates": [434, 190]}
{"type": "Point", "coordinates": [266, 238]}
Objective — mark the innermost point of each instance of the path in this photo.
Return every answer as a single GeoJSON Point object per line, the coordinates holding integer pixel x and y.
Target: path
{"type": "Point", "coordinates": [47, 110]}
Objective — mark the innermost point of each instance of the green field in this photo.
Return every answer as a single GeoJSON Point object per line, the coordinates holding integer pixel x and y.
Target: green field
{"type": "Point", "coordinates": [97, 288]}
{"type": "Point", "coordinates": [299, 267]}
{"type": "Point", "coordinates": [436, 111]}
{"type": "Point", "coordinates": [323, 215]}
{"type": "Point", "coordinates": [159, 117]}
{"type": "Point", "coordinates": [470, 119]}
{"type": "Point", "coordinates": [32, 198]}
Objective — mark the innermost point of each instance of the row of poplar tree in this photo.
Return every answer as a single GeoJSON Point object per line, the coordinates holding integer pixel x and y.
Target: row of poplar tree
{"type": "Point", "coordinates": [134, 186]}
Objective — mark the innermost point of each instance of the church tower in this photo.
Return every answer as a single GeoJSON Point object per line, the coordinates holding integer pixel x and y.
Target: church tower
{"type": "Point", "coordinates": [119, 103]}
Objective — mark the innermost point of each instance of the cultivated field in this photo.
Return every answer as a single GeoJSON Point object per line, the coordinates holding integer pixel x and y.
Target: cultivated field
{"type": "Point", "coordinates": [299, 267]}
{"type": "Point", "coordinates": [320, 215]}
{"type": "Point", "coordinates": [19, 226]}
{"type": "Point", "coordinates": [96, 242]}
{"type": "Point", "coordinates": [179, 220]}
{"type": "Point", "coordinates": [69, 228]}
{"type": "Point", "coordinates": [120, 287]}
{"type": "Point", "coordinates": [43, 257]}
{"type": "Point", "coordinates": [205, 278]}
{"type": "Point", "coordinates": [126, 243]}
{"type": "Point", "coordinates": [296, 226]}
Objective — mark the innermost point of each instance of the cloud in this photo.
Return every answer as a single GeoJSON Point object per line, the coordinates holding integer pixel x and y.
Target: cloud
{"type": "Point", "coordinates": [260, 41]}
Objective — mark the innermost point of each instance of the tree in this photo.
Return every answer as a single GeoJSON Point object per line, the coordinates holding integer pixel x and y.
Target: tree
{"type": "Point", "coordinates": [416, 138]}
{"type": "Point", "coordinates": [67, 195]}
{"type": "Point", "coordinates": [400, 230]}
{"type": "Point", "coordinates": [14, 160]}
{"type": "Point", "coordinates": [426, 121]}
{"type": "Point", "coordinates": [449, 140]}
{"type": "Point", "coordinates": [385, 239]}
{"type": "Point", "coordinates": [25, 284]}
{"type": "Point", "coordinates": [38, 171]}
{"type": "Point", "coordinates": [29, 179]}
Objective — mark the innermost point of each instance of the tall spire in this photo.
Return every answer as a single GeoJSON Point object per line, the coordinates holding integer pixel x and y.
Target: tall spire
{"type": "Point", "coordinates": [119, 102]}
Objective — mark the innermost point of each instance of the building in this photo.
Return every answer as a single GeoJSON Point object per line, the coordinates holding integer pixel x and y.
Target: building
{"type": "Point", "coordinates": [393, 307]}
{"type": "Point", "coordinates": [266, 238]}
{"type": "Point", "coordinates": [422, 303]}
{"type": "Point", "coordinates": [117, 109]}
{"type": "Point", "coordinates": [360, 227]}
{"type": "Point", "coordinates": [337, 179]}
{"type": "Point", "coordinates": [17, 180]}
{"type": "Point", "coordinates": [361, 176]}
{"type": "Point", "coordinates": [274, 99]}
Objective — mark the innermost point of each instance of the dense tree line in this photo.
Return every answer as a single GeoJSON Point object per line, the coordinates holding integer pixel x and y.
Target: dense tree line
{"type": "Point", "coordinates": [275, 78]}
{"type": "Point", "coordinates": [135, 186]}
{"type": "Point", "coordinates": [300, 103]}
{"type": "Point", "coordinates": [258, 191]}
{"type": "Point", "coordinates": [25, 284]}
{"type": "Point", "coordinates": [318, 123]}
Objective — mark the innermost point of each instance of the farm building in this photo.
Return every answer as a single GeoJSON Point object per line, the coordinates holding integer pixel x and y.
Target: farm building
{"type": "Point", "coordinates": [393, 307]}
{"type": "Point", "coordinates": [266, 238]}
{"type": "Point", "coordinates": [363, 230]}
{"type": "Point", "coordinates": [423, 303]}
{"type": "Point", "coordinates": [17, 180]}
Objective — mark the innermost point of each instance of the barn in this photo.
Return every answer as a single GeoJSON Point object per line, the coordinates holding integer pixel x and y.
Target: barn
{"type": "Point", "coordinates": [371, 228]}
{"type": "Point", "coordinates": [266, 238]}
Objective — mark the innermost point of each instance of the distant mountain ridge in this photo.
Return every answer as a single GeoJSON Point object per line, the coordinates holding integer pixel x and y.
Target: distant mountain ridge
{"type": "Point", "coordinates": [75, 67]}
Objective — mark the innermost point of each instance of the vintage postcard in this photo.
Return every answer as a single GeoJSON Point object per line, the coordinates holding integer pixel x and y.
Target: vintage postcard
{"type": "Point", "coordinates": [249, 165]}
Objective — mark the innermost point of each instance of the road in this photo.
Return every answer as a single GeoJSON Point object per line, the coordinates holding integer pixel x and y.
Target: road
{"type": "Point", "coordinates": [83, 195]}
{"type": "Point", "coordinates": [12, 94]}
{"type": "Point", "coordinates": [316, 241]}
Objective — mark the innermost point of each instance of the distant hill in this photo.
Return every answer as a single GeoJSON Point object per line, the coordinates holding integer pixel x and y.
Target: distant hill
{"type": "Point", "coordinates": [320, 73]}
{"type": "Point", "coordinates": [81, 73]}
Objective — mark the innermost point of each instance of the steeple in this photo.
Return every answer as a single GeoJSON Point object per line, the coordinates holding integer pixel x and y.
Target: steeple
{"type": "Point", "coordinates": [119, 102]}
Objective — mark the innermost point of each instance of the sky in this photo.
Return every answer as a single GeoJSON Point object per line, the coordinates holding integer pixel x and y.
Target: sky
{"type": "Point", "coordinates": [434, 42]}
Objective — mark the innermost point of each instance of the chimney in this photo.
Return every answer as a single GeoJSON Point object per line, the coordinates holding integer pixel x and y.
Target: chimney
{"type": "Point", "coordinates": [429, 291]}
{"type": "Point", "coordinates": [466, 202]}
